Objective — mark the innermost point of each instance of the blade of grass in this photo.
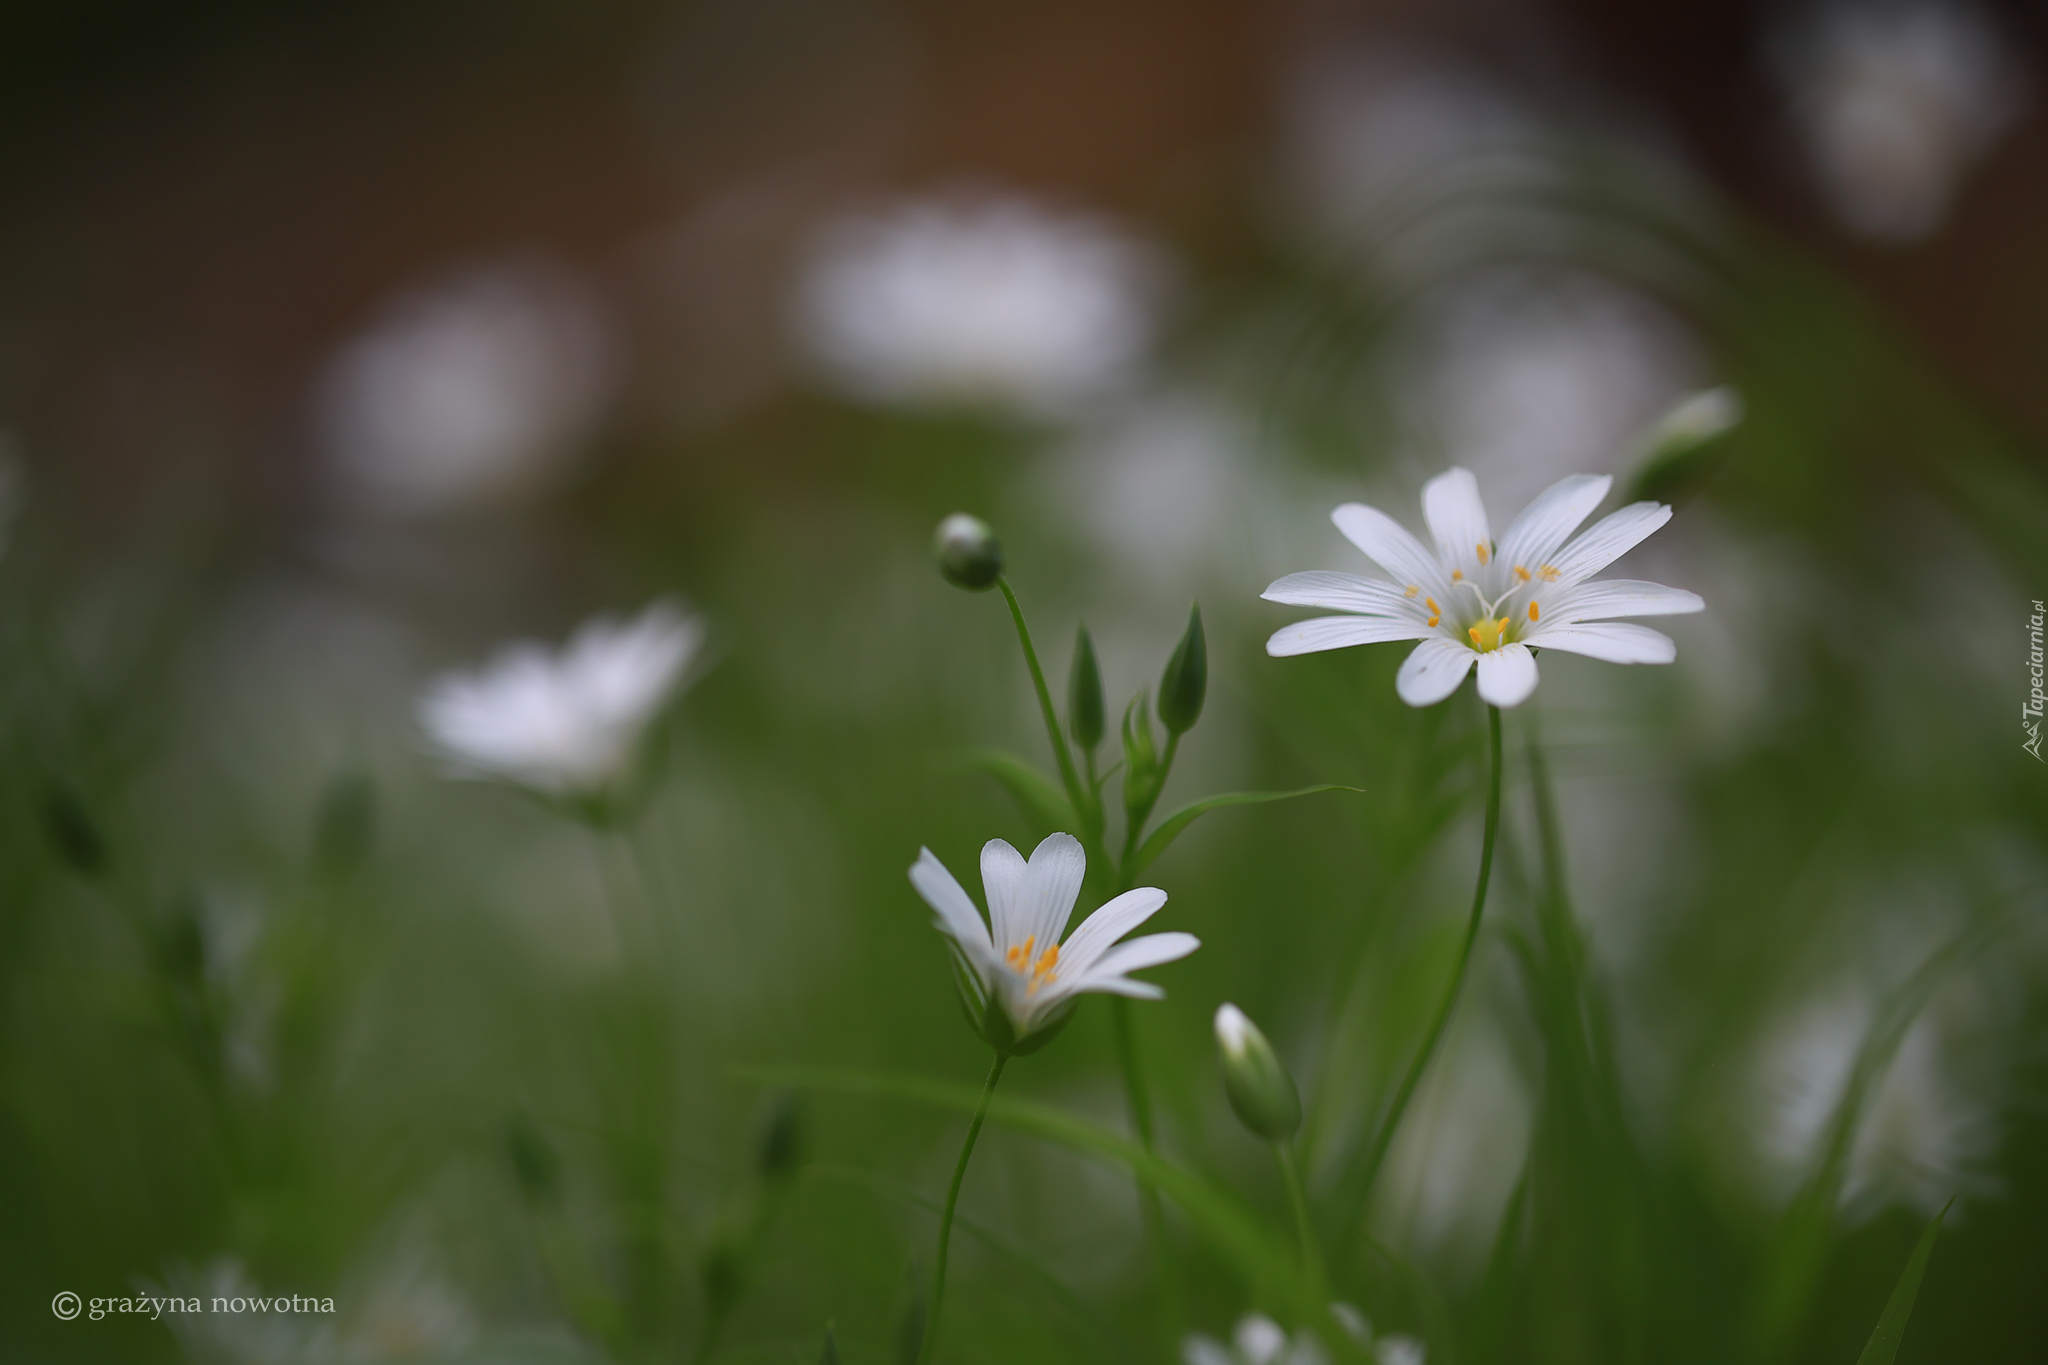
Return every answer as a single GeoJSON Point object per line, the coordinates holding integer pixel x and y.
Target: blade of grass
{"type": "Point", "coordinates": [1891, 1324]}
{"type": "Point", "coordinates": [1170, 828]}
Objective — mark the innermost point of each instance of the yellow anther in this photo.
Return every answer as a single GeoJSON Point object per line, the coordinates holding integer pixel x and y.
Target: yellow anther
{"type": "Point", "coordinates": [1436, 613]}
{"type": "Point", "coordinates": [1549, 572]}
{"type": "Point", "coordinates": [1457, 575]}
{"type": "Point", "coordinates": [1413, 588]}
{"type": "Point", "coordinates": [1532, 611]}
{"type": "Point", "coordinates": [1019, 956]}
{"type": "Point", "coordinates": [1521, 574]}
{"type": "Point", "coordinates": [1042, 971]}
{"type": "Point", "coordinates": [1484, 553]}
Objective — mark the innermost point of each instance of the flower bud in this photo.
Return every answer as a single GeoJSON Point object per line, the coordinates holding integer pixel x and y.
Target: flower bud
{"type": "Point", "coordinates": [969, 555]}
{"type": "Point", "coordinates": [1085, 708]}
{"type": "Point", "coordinates": [1185, 683]}
{"type": "Point", "coordinates": [1684, 449]}
{"type": "Point", "coordinates": [1259, 1087]}
{"type": "Point", "coordinates": [1142, 778]}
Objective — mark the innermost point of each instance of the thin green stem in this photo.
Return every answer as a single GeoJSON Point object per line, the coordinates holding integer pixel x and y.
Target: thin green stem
{"type": "Point", "coordinates": [1068, 775]}
{"type": "Point", "coordinates": [1384, 1137]}
{"type": "Point", "coordinates": [988, 1091]}
{"type": "Point", "coordinates": [1148, 1197]}
{"type": "Point", "coordinates": [1297, 1199]}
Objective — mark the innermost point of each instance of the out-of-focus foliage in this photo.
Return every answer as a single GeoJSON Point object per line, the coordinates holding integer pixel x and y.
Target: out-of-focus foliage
{"type": "Point", "coordinates": [286, 1009]}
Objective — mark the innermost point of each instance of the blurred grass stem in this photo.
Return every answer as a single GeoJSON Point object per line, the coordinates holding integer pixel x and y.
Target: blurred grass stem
{"type": "Point", "coordinates": [1376, 1155]}
{"type": "Point", "coordinates": [988, 1090]}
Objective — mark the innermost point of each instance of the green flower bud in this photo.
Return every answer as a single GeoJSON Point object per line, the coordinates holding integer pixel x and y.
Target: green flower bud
{"type": "Point", "coordinates": [1142, 778]}
{"type": "Point", "coordinates": [831, 1356]}
{"type": "Point", "coordinates": [1686, 448]}
{"type": "Point", "coordinates": [969, 555]}
{"type": "Point", "coordinates": [1086, 717]}
{"type": "Point", "coordinates": [1259, 1087]}
{"type": "Point", "coordinates": [1185, 683]}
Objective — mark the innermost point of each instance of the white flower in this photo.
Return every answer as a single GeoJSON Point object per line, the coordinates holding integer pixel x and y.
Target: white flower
{"type": "Point", "coordinates": [469, 391]}
{"type": "Point", "coordinates": [1895, 103]}
{"type": "Point", "coordinates": [1258, 1340]}
{"type": "Point", "coordinates": [979, 300]}
{"type": "Point", "coordinates": [1477, 601]}
{"type": "Point", "coordinates": [1024, 966]}
{"type": "Point", "coordinates": [562, 722]}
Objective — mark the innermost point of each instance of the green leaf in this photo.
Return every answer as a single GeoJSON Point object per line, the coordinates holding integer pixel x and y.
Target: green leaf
{"type": "Point", "coordinates": [1036, 795]}
{"type": "Point", "coordinates": [1170, 828]}
{"type": "Point", "coordinates": [1231, 1231]}
{"type": "Point", "coordinates": [1891, 1324]}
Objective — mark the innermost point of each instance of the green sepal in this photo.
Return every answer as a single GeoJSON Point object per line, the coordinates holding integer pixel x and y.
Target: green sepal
{"type": "Point", "coordinates": [1142, 778]}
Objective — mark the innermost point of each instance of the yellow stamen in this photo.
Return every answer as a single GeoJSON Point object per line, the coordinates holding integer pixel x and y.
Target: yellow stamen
{"type": "Point", "coordinates": [1042, 971]}
{"type": "Point", "coordinates": [1413, 588]}
{"type": "Point", "coordinates": [1521, 574]}
{"type": "Point", "coordinates": [1484, 554]}
{"type": "Point", "coordinates": [1436, 613]}
{"type": "Point", "coordinates": [1457, 575]}
{"type": "Point", "coordinates": [1019, 956]}
{"type": "Point", "coordinates": [1532, 611]}
{"type": "Point", "coordinates": [1549, 572]}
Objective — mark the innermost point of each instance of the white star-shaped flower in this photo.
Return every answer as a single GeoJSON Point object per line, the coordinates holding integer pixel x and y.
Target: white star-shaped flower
{"type": "Point", "coordinates": [1475, 601]}
{"type": "Point", "coordinates": [563, 722]}
{"type": "Point", "coordinates": [1023, 966]}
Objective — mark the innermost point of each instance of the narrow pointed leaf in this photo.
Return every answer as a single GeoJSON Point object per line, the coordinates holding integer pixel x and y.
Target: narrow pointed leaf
{"type": "Point", "coordinates": [1170, 828]}
{"type": "Point", "coordinates": [1891, 1324]}
{"type": "Point", "coordinates": [1036, 795]}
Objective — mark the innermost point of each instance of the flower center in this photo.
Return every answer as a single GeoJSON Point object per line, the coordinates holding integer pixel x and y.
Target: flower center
{"type": "Point", "coordinates": [1037, 971]}
{"type": "Point", "coordinates": [1489, 634]}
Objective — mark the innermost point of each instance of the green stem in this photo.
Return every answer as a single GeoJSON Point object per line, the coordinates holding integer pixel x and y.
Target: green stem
{"type": "Point", "coordinates": [931, 1325]}
{"type": "Point", "coordinates": [1148, 1196]}
{"type": "Point", "coordinates": [1068, 775]}
{"type": "Point", "coordinates": [1297, 1198]}
{"type": "Point", "coordinates": [1384, 1138]}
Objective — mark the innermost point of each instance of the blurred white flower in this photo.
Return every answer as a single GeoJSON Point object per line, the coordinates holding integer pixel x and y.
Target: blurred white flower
{"type": "Point", "coordinates": [471, 391]}
{"type": "Point", "coordinates": [1026, 968]}
{"type": "Point", "coordinates": [1365, 130]}
{"type": "Point", "coordinates": [980, 300]}
{"type": "Point", "coordinates": [1524, 376]}
{"type": "Point", "coordinates": [408, 1314]}
{"type": "Point", "coordinates": [1473, 601]}
{"type": "Point", "coordinates": [565, 722]}
{"type": "Point", "coordinates": [256, 1337]}
{"type": "Point", "coordinates": [1258, 1340]}
{"type": "Point", "coordinates": [1895, 102]}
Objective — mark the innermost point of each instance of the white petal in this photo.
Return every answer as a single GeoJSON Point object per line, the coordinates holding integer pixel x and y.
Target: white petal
{"type": "Point", "coordinates": [1608, 539]}
{"type": "Point", "coordinates": [1433, 671]}
{"type": "Point", "coordinates": [1611, 597]}
{"type": "Point", "coordinates": [1456, 517]}
{"type": "Point", "coordinates": [1345, 592]}
{"type": "Point", "coordinates": [1337, 632]}
{"type": "Point", "coordinates": [1555, 514]}
{"type": "Point", "coordinates": [957, 915]}
{"type": "Point", "coordinates": [1388, 544]}
{"type": "Point", "coordinates": [1108, 924]}
{"type": "Point", "coordinates": [1153, 950]}
{"type": "Point", "coordinates": [1051, 883]}
{"type": "Point", "coordinates": [1613, 641]}
{"type": "Point", "coordinates": [1507, 675]}
{"type": "Point", "coordinates": [1003, 874]}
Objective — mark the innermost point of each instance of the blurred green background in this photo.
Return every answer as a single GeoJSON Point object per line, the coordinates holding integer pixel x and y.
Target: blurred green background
{"type": "Point", "coordinates": [339, 347]}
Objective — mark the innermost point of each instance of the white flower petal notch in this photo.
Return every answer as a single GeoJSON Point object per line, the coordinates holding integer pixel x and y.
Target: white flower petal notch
{"type": "Point", "coordinates": [565, 723]}
{"type": "Point", "coordinates": [1018, 979]}
{"type": "Point", "coordinates": [1476, 602]}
